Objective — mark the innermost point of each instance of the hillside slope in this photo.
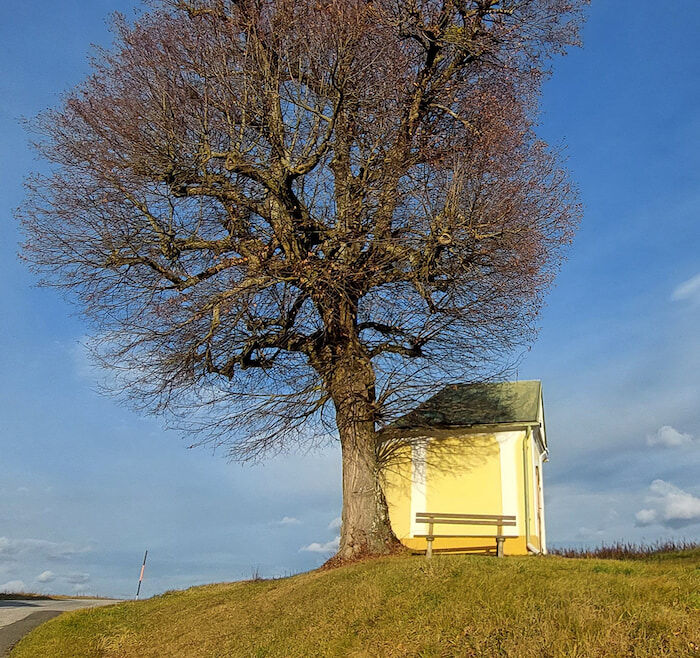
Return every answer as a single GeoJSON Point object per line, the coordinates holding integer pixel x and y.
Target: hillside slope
{"type": "Point", "coordinates": [406, 606]}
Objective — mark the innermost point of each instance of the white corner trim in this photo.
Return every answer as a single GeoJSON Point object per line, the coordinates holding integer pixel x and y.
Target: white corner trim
{"type": "Point", "coordinates": [419, 448]}
{"type": "Point", "coordinates": [543, 528]}
{"type": "Point", "coordinates": [507, 444]}
{"type": "Point", "coordinates": [536, 488]}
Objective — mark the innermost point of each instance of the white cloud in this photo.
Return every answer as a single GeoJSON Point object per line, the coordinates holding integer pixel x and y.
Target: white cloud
{"type": "Point", "coordinates": [589, 533]}
{"type": "Point", "coordinates": [12, 549]}
{"type": "Point", "coordinates": [13, 586]}
{"type": "Point", "coordinates": [75, 578]}
{"type": "Point", "coordinates": [289, 520]}
{"type": "Point", "coordinates": [327, 547]}
{"type": "Point", "coordinates": [669, 437]}
{"type": "Point", "coordinates": [646, 516]}
{"type": "Point", "coordinates": [669, 506]}
{"type": "Point", "coordinates": [689, 289]}
{"type": "Point", "coordinates": [335, 523]}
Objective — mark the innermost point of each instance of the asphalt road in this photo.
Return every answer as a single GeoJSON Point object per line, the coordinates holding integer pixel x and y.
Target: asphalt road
{"type": "Point", "coordinates": [19, 616]}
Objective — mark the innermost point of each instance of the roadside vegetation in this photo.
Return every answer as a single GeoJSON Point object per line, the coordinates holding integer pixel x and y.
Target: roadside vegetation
{"type": "Point", "coordinates": [629, 551]}
{"type": "Point", "coordinates": [15, 596]}
{"type": "Point", "coordinates": [407, 606]}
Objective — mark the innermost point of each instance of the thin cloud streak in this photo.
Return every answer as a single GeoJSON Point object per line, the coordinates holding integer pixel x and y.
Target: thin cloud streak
{"type": "Point", "coordinates": [689, 289]}
{"type": "Point", "coordinates": [11, 549]}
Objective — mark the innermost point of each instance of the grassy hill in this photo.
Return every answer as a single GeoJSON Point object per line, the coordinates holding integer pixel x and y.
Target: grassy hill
{"type": "Point", "coordinates": [407, 606]}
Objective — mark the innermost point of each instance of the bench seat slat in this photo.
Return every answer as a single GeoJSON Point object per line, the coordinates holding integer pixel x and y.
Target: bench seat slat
{"type": "Point", "coordinates": [437, 521]}
{"type": "Point", "coordinates": [429, 515]}
{"type": "Point", "coordinates": [441, 536]}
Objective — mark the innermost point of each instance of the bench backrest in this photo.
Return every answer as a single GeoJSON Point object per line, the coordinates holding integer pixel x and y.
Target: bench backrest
{"type": "Point", "coordinates": [465, 519]}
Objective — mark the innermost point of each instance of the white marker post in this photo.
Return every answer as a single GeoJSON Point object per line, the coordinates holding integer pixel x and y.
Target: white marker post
{"type": "Point", "coordinates": [143, 568]}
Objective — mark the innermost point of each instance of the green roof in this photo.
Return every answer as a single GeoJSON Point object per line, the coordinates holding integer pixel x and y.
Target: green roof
{"type": "Point", "coordinates": [466, 405]}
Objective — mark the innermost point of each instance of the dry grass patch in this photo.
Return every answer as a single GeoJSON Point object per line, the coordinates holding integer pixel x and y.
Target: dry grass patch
{"type": "Point", "coordinates": [620, 550]}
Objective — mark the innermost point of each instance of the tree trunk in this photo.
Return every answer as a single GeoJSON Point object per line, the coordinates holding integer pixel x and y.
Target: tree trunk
{"type": "Point", "coordinates": [366, 529]}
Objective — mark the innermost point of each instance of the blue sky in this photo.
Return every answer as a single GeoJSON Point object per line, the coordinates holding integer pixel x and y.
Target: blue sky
{"type": "Point", "coordinates": [86, 485]}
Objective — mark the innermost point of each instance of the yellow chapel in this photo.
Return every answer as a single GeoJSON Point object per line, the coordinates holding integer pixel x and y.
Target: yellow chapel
{"type": "Point", "coordinates": [468, 462]}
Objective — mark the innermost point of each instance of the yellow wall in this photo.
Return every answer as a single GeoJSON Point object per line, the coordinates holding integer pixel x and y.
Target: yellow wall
{"type": "Point", "coordinates": [397, 489]}
{"type": "Point", "coordinates": [463, 475]}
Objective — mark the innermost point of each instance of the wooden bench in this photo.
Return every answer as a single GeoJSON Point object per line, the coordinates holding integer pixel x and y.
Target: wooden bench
{"type": "Point", "coordinates": [434, 518]}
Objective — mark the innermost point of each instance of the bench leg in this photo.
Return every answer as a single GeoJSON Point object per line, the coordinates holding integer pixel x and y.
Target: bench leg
{"type": "Point", "coordinates": [499, 546]}
{"type": "Point", "coordinates": [429, 550]}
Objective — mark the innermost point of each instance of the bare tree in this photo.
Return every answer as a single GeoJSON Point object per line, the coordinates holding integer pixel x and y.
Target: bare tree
{"type": "Point", "coordinates": [273, 209]}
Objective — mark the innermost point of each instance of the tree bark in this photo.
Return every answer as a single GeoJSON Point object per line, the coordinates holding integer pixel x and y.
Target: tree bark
{"type": "Point", "coordinates": [366, 529]}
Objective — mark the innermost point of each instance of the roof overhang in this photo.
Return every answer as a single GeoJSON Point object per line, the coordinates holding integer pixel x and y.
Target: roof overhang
{"type": "Point", "coordinates": [419, 432]}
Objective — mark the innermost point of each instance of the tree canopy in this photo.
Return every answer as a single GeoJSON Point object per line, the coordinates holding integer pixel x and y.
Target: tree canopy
{"type": "Point", "coordinates": [272, 208]}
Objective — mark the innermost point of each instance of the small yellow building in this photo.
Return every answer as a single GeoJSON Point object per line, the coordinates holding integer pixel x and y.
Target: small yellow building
{"type": "Point", "coordinates": [473, 449]}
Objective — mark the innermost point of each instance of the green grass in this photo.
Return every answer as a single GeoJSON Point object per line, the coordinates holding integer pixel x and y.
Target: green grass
{"type": "Point", "coordinates": [407, 606]}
